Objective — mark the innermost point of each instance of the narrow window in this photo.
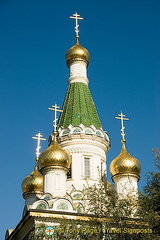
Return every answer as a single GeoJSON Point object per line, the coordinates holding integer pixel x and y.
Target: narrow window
{"type": "Point", "coordinates": [87, 172]}
{"type": "Point", "coordinates": [101, 169]}
{"type": "Point", "coordinates": [57, 181]}
{"type": "Point", "coordinates": [69, 174]}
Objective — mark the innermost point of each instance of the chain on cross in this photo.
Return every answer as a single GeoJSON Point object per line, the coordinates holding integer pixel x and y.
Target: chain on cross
{"type": "Point", "coordinates": [38, 137]}
{"type": "Point", "coordinates": [56, 109]}
{"type": "Point", "coordinates": [77, 17]}
{"type": "Point", "coordinates": [121, 116]}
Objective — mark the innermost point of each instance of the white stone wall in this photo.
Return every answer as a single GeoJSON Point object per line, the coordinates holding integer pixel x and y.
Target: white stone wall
{"type": "Point", "coordinates": [126, 184]}
{"type": "Point", "coordinates": [55, 182]}
{"type": "Point", "coordinates": [78, 72]}
{"type": "Point", "coordinates": [78, 150]}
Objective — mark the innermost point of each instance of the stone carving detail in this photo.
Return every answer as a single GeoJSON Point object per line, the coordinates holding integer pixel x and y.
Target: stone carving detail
{"type": "Point", "coordinates": [83, 149]}
{"type": "Point", "coordinates": [81, 129]}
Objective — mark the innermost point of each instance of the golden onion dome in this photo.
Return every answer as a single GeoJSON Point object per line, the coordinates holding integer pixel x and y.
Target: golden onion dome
{"type": "Point", "coordinates": [33, 182]}
{"type": "Point", "coordinates": [77, 52]}
{"type": "Point", "coordinates": [125, 163]}
{"type": "Point", "coordinates": [54, 155]}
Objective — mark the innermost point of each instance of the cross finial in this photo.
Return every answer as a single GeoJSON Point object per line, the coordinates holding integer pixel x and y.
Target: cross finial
{"type": "Point", "coordinates": [77, 17]}
{"type": "Point", "coordinates": [121, 116]}
{"type": "Point", "coordinates": [55, 109]}
{"type": "Point", "coordinates": [39, 137]}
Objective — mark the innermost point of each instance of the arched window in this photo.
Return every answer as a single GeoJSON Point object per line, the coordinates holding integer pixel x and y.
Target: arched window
{"type": "Point", "coordinates": [76, 130]}
{"type": "Point", "coordinates": [65, 132]}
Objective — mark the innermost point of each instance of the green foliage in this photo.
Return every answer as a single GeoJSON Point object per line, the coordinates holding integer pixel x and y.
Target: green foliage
{"type": "Point", "coordinates": [116, 215]}
{"type": "Point", "coordinates": [149, 199]}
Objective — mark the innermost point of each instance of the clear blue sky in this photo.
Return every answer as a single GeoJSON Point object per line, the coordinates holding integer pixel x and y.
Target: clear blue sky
{"type": "Point", "coordinates": [123, 38]}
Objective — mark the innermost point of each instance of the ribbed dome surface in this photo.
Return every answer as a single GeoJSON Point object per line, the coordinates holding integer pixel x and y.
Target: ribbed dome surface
{"type": "Point", "coordinates": [125, 163]}
{"type": "Point", "coordinates": [54, 155]}
{"type": "Point", "coordinates": [33, 182]}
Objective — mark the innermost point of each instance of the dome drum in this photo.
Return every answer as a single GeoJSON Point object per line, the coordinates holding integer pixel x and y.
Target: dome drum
{"type": "Point", "coordinates": [51, 167]}
{"type": "Point", "coordinates": [76, 59]}
{"type": "Point", "coordinates": [32, 192]}
{"type": "Point", "coordinates": [125, 174]}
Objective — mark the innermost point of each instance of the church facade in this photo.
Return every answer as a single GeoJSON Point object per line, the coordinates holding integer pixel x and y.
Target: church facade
{"type": "Point", "coordinates": [75, 157]}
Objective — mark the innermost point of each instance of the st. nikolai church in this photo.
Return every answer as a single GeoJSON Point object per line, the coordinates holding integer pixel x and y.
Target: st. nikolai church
{"type": "Point", "coordinates": [75, 155]}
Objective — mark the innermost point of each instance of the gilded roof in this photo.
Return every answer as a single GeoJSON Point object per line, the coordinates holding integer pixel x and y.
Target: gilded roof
{"type": "Point", "coordinates": [54, 155]}
{"type": "Point", "coordinates": [33, 182]}
{"type": "Point", "coordinates": [125, 163]}
{"type": "Point", "coordinates": [77, 52]}
{"type": "Point", "coordinates": [79, 108]}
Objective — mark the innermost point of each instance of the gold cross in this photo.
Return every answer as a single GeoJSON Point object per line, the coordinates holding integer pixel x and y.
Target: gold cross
{"type": "Point", "coordinates": [122, 118]}
{"type": "Point", "coordinates": [77, 17]}
{"type": "Point", "coordinates": [38, 137]}
{"type": "Point", "coordinates": [55, 109]}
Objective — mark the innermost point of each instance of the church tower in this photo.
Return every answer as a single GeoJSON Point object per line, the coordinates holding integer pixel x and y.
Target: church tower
{"type": "Point", "coordinates": [76, 156]}
{"type": "Point", "coordinates": [79, 127]}
{"type": "Point", "coordinates": [54, 163]}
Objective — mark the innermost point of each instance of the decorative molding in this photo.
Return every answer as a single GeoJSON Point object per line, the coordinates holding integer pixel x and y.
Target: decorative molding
{"type": "Point", "coordinates": [72, 140]}
{"type": "Point", "coordinates": [85, 150]}
{"type": "Point", "coordinates": [73, 79]}
{"type": "Point", "coordinates": [119, 176]}
{"type": "Point", "coordinates": [62, 204]}
{"type": "Point", "coordinates": [84, 132]}
{"type": "Point", "coordinates": [47, 169]}
{"type": "Point", "coordinates": [42, 202]}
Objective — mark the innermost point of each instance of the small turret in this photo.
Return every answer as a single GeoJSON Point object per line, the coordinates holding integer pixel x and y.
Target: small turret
{"type": "Point", "coordinates": [32, 185]}
{"type": "Point", "coordinates": [54, 164]}
{"type": "Point", "coordinates": [125, 169]}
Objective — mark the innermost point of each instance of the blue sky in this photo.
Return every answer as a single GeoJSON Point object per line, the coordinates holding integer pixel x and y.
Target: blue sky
{"type": "Point", "coordinates": [123, 40]}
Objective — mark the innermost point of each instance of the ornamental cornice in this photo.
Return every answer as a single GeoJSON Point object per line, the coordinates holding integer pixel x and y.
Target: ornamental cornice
{"type": "Point", "coordinates": [119, 176]}
{"type": "Point", "coordinates": [85, 150]}
{"type": "Point", "coordinates": [32, 193]}
{"type": "Point", "coordinates": [83, 129]}
{"type": "Point", "coordinates": [85, 133]}
{"type": "Point", "coordinates": [78, 79]}
{"type": "Point", "coordinates": [77, 60]}
{"type": "Point", "coordinates": [87, 142]}
{"type": "Point", "coordinates": [47, 169]}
